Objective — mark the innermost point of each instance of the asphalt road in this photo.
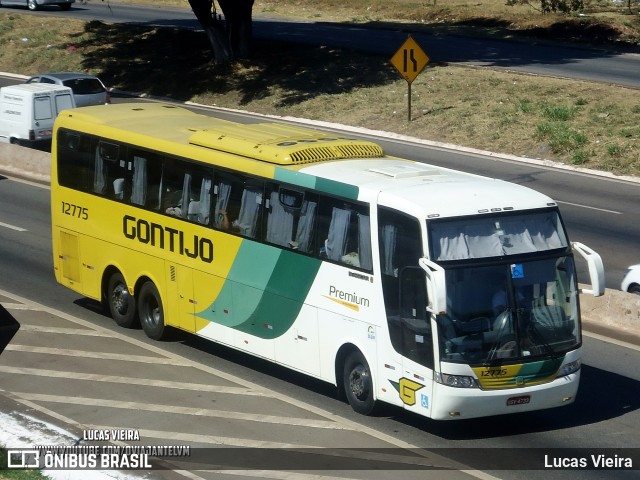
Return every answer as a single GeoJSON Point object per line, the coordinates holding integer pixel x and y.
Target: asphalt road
{"type": "Point", "coordinates": [570, 61]}
{"type": "Point", "coordinates": [72, 361]}
{"type": "Point", "coordinates": [600, 212]}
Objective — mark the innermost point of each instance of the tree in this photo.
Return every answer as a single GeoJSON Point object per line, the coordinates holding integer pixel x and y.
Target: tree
{"type": "Point", "coordinates": [230, 38]}
{"type": "Point", "coordinates": [547, 6]}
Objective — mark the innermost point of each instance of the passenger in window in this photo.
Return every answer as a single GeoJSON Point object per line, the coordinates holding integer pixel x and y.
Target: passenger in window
{"type": "Point", "coordinates": [173, 200]}
{"type": "Point", "coordinates": [226, 224]}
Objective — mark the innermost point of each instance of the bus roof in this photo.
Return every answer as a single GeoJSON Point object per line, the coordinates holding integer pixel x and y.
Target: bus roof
{"type": "Point", "coordinates": [450, 192]}
{"type": "Point", "coordinates": [335, 163]}
{"type": "Point", "coordinates": [275, 143]}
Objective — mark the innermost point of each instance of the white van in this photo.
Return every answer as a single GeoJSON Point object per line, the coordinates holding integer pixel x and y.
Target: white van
{"type": "Point", "coordinates": [27, 111]}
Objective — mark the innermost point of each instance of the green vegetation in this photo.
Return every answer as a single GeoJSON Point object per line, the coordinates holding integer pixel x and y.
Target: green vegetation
{"type": "Point", "coordinates": [16, 474]}
{"type": "Point", "coordinates": [581, 123]}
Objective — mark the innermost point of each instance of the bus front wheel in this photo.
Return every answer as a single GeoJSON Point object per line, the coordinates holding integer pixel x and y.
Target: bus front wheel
{"type": "Point", "coordinates": [358, 385]}
{"type": "Point", "coordinates": [122, 305]}
{"type": "Point", "coordinates": [151, 312]}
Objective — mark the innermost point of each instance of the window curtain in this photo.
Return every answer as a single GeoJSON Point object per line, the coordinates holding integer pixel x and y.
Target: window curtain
{"type": "Point", "coordinates": [389, 235]}
{"type": "Point", "coordinates": [279, 222]}
{"type": "Point", "coordinates": [205, 202]}
{"type": "Point", "coordinates": [186, 195]}
{"type": "Point", "coordinates": [517, 238]}
{"type": "Point", "coordinates": [481, 240]}
{"type": "Point", "coordinates": [157, 206]}
{"type": "Point", "coordinates": [305, 226]}
{"type": "Point", "coordinates": [99, 174]}
{"type": "Point", "coordinates": [364, 242]}
{"type": "Point", "coordinates": [493, 237]}
{"type": "Point", "coordinates": [248, 215]}
{"type": "Point", "coordinates": [451, 244]}
{"type": "Point", "coordinates": [139, 191]}
{"type": "Point", "coordinates": [544, 234]}
{"type": "Point", "coordinates": [338, 229]}
{"type": "Point", "coordinates": [222, 200]}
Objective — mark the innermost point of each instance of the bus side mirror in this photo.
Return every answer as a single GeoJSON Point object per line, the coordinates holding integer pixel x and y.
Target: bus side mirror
{"type": "Point", "coordinates": [435, 286]}
{"type": "Point", "coordinates": [596, 268]}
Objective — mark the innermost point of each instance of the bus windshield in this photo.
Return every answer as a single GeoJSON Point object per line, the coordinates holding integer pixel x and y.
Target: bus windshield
{"type": "Point", "coordinates": [510, 312]}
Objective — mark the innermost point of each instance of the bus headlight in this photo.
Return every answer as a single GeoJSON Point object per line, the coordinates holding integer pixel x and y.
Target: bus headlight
{"type": "Point", "coordinates": [458, 381]}
{"type": "Point", "coordinates": [570, 368]}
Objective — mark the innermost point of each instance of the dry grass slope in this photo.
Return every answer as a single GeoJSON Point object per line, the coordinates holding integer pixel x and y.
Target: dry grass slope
{"type": "Point", "coordinates": [580, 123]}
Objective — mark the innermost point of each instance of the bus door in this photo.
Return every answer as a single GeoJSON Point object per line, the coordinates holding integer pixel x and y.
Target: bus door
{"type": "Point", "coordinates": [416, 385]}
{"type": "Point", "coordinates": [405, 296]}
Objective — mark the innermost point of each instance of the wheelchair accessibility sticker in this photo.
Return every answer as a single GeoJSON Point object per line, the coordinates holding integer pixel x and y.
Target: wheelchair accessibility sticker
{"type": "Point", "coordinates": [517, 270]}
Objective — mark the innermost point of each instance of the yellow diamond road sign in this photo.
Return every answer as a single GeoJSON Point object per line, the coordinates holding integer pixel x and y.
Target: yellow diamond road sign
{"type": "Point", "coordinates": [410, 60]}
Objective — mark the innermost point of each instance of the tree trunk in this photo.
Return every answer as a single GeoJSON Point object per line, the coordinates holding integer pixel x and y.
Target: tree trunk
{"type": "Point", "coordinates": [238, 16]}
{"type": "Point", "coordinates": [214, 28]}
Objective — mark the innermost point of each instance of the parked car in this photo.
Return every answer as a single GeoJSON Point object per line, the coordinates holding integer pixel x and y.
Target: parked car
{"type": "Point", "coordinates": [36, 4]}
{"type": "Point", "coordinates": [631, 280]}
{"type": "Point", "coordinates": [87, 89]}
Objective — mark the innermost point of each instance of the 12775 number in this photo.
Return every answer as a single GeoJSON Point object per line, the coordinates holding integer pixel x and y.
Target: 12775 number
{"type": "Point", "coordinates": [75, 210]}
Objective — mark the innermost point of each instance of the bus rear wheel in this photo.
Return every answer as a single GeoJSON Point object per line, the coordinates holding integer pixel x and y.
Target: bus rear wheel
{"type": "Point", "coordinates": [151, 312]}
{"type": "Point", "coordinates": [358, 384]}
{"type": "Point", "coordinates": [122, 305]}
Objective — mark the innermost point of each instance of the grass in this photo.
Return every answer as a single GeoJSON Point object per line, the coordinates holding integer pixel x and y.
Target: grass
{"type": "Point", "coordinates": [581, 123]}
{"type": "Point", "coordinates": [17, 474]}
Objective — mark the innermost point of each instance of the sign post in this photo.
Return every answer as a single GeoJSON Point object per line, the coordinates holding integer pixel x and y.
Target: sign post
{"type": "Point", "coordinates": [409, 60]}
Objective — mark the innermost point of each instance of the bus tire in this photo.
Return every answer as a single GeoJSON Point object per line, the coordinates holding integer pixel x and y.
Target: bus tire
{"type": "Point", "coordinates": [358, 384]}
{"type": "Point", "coordinates": [122, 305]}
{"type": "Point", "coordinates": [151, 312]}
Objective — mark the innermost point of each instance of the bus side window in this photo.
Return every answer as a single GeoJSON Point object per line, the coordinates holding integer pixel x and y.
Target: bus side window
{"type": "Point", "coordinates": [108, 170]}
{"type": "Point", "coordinates": [238, 205]}
{"type": "Point", "coordinates": [290, 218]}
{"type": "Point", "coordinates": [344, 233]}
{"type": "Point", "coordinates": [199, 209]}
{"type": "Point", "coordinates": [146, 179]}
{"type": "Point", "coordinates": [186, 191]}
{"type": "Point", "coordinates": [75, 160]}
{"type": "Point", "coordinates": [173, 183]}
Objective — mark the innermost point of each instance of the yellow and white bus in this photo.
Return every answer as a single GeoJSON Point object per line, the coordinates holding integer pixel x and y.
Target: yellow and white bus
{"type": "Point", "coordinates": [448, 294]}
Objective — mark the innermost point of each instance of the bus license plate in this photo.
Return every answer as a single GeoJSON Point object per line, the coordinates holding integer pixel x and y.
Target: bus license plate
{"type": "Point", "coordinates": [522, 400]}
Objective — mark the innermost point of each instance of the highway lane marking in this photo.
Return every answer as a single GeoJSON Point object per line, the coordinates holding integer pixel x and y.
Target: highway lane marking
{"type": "Point", "coordinates": [619, 343]}
{"type": "Point", "coordinates": [101, 355]}
{"type": "Point", "coordinates": [147, 382]}
{"type": "Point", "coordinates": [59, 330]}
{"type": "Point", "coordinates": [590, 208]}
{"type": "Point", "coordinates": [199, 412]}
{"type": "Point", "coordinates": [13, 227]}
{"type": "Point", "coordinates": [356, 426]}
{"type": "Point", "coordinates": [346, 452]}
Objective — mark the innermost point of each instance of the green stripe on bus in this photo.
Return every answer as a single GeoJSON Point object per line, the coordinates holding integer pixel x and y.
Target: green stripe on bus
{"type": "Point", "coordinates": [321, 184]}
{"type": "Point", "coordinates": [264, 292]}
{"type": "Point", "coordinates": [540, 370]}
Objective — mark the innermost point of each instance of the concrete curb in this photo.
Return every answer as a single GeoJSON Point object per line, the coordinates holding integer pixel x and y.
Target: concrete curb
{"type": "Point", "coordinates": [25, 163]}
